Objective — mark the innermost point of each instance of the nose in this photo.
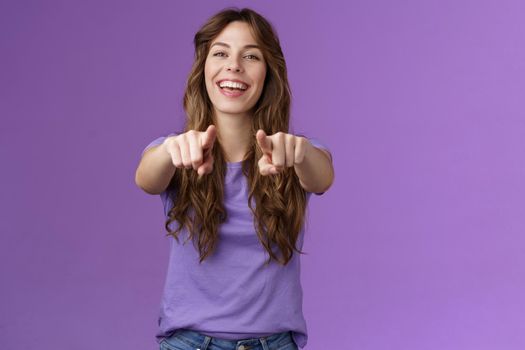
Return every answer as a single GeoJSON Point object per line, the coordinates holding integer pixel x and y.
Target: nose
{"type": "Point", "coordinates": [233, 65]}
{"type": "Point", "coordinates": [235, 68]}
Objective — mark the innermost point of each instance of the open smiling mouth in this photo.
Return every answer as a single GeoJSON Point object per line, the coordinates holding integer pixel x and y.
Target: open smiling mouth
{"type": "Point", "coordinates": [232, 91]}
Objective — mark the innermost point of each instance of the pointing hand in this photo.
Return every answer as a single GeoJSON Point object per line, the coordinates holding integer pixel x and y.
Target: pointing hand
{"type": "Point", "coordinates": [192, 149]}
{"type": "Point", "coordinates": [280, 150]}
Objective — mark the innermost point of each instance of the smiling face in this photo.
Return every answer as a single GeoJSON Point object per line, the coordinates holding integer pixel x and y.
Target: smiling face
{"type": "Point", "coordinates": [235, 62]}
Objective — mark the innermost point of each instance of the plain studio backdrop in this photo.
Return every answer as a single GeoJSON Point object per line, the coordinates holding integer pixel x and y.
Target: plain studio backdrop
{"type": "Point", "coordinates": [419, 243]}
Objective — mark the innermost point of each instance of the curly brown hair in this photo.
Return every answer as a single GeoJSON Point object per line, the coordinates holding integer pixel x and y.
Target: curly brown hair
{"type": "Point", "coordinates": [280, 200]}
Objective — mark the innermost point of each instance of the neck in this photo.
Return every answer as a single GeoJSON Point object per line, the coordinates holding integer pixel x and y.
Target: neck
{"type": "Point", "coordinates": [233, 132]}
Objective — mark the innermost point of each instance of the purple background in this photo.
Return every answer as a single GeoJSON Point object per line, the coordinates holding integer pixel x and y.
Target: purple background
{"type": "Point", "coordinates": [419, 243]}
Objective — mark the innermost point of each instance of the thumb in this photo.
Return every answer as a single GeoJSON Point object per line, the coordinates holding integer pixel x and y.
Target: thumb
{"type": "Point", "coordinates": [206, 167]}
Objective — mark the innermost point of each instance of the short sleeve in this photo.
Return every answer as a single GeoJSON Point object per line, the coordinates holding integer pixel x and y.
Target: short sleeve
{"type": "Point", "coordinates": [166, 201]}
{"type": "Point", "coordinates": [156, 142]}
{"type": "Point", "coordinates": [318, 144]}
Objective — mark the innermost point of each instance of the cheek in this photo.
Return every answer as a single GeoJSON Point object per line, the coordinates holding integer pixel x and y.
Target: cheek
{"type": "Point", "coordinates": [259, 76]}
{"type": "Point", "coordinates": [208, 82]}
{"type": "Point", "coordinates": [262, 81]}
{"type": "Point", "coordinates": [262, 76]}
{"type": "Point", "coordinates": [207, 72]}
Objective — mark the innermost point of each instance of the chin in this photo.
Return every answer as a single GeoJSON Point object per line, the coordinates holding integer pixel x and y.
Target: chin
{"type": "Point", "coordinates": [233, 109]}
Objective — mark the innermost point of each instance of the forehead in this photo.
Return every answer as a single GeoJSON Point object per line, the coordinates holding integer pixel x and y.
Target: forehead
{"type": "Point", "coordinates": [236, 34]}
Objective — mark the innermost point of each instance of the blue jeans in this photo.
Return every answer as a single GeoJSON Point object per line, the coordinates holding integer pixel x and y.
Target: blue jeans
{"type": "Point", "coordinates": [185, 339]}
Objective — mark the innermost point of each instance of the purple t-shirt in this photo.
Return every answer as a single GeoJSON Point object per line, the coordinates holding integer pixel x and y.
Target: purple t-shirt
{"type": "Point", "coordinates": [231, 294]}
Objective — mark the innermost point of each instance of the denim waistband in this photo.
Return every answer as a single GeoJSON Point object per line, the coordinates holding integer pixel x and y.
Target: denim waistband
{"type": "Point", "coordinates": [202, 341]}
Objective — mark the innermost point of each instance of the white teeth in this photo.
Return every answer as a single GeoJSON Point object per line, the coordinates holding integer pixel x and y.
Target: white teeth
{"type": "Point", "coordinates": [231, 84]}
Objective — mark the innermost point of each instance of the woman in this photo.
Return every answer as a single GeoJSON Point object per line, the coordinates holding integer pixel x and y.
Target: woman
{"type": "Point", "coordinates": [237, 184]}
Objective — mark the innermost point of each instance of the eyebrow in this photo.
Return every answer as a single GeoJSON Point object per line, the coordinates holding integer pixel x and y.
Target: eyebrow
{"type": "Point", "coordinates": [249, 46]}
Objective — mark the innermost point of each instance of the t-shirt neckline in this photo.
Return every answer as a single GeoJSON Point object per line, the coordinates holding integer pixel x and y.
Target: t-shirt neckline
{"type": "Point", "coordinates": [234, 164]}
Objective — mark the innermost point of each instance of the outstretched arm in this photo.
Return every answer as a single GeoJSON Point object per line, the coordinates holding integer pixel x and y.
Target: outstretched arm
{"type": "Point", "coordinates": [312, 165]}
{"type": "Point", "coordinates": [316, 171]}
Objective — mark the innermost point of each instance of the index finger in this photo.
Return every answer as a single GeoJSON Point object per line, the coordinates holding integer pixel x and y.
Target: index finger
{"type": "Point", "coordinates": [208, 137]}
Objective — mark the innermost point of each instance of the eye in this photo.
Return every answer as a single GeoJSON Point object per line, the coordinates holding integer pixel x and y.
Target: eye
{"type": "Point", "coordinates": [220, 54]}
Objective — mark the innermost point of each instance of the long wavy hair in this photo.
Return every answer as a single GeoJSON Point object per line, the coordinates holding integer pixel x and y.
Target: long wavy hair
{"type": "Point", "coordinates": [280, 200]}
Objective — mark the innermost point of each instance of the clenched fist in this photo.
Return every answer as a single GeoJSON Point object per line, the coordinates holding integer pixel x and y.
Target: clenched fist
{"type": "Point", "coordinates": [280, 150]}
{"type": "Point", "coordinates": [193, 149]}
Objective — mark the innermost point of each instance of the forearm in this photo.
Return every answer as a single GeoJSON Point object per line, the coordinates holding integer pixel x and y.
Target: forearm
{"type": "Point", "coordinates": [315, 172]}
{"type": "Point", "coordinates": [155, 170]}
